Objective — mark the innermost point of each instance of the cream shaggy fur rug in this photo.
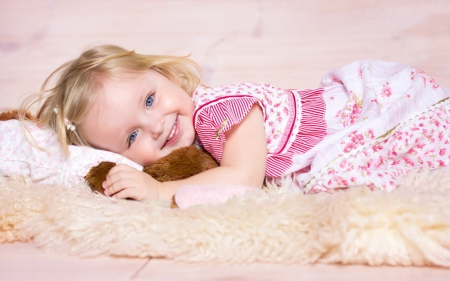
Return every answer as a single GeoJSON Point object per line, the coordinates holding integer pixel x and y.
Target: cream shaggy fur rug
{"type": "Point", "coordinates": [409, 226]}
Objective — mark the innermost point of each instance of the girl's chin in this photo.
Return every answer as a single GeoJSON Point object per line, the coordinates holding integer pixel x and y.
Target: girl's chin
{"type": "Point", "coordinates": [185, 140]}
{"type": "Point", "coordinates": [179, 144]}
{"type": "Point", "coordinates": [181, 140]}
{"type": "Point", "coordinates": [184, 144]}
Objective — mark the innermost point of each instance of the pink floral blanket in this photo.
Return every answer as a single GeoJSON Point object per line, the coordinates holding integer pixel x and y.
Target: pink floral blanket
{"type": "Point", "coordinates": [396, 121]}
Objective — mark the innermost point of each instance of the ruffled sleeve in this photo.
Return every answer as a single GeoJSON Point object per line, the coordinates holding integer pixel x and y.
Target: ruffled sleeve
{"type": "Point", "coordinates": [217, 116]}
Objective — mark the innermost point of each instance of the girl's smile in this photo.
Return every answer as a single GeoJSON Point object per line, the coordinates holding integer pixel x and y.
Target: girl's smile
{"type": "Point", "coordinates": [142, 116]}
{"type": "Point", "coordinates": [173, 134]}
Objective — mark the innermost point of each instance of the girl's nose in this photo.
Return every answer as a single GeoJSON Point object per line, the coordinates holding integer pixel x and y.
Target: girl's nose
{"type": "Point", "coordinates": [156, 126]}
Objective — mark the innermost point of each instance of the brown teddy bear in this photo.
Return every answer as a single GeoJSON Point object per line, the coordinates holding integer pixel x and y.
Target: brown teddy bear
{"type": "Point", "coordinates": [180, 164]}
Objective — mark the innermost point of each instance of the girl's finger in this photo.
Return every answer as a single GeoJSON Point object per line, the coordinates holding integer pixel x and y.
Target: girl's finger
{"type": "Point", "coordinates": [125, 193]}
{"type": "Point", "coordinates": [123, 167]}
{"type": "Point", "coordinates": [117, 173]}
{"type": "Point", "coordinates": [119, 185]}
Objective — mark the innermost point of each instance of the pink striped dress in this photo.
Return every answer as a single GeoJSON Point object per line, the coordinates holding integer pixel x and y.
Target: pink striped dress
{"type": "Point", "coordinates": [370, 123]}
{"type": "Point", "coordinates": [294, 119]}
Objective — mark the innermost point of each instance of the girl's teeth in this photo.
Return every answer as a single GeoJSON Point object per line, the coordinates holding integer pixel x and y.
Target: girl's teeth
{"type": "Point", "coordinates": [173, 131]}
{"type": "Point", "coordinates": [171, 134]}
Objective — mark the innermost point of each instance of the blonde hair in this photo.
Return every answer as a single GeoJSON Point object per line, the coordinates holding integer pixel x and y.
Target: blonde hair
{"type": "Point", "coordinates": [80, 79]}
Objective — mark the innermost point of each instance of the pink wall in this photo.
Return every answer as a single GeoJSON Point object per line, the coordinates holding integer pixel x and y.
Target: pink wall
{"type": "Point", "coordinates": [287, 43]}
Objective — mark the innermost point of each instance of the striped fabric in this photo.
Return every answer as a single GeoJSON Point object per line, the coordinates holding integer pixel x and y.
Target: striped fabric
{"type": "Point", "coordinates": [312, 131]}
{"type": "Point", "coordinates": [220, 111]}
{"type": "Point", "coordinates": [214, 120]}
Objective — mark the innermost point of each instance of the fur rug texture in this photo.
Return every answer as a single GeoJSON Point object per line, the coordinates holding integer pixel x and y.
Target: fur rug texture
{"type": "Point", "coordinates": [408, 226]}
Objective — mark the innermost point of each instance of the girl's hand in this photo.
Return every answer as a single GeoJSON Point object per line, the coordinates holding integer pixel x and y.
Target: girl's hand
{"type": "Point", "coordinates": [124, 182]}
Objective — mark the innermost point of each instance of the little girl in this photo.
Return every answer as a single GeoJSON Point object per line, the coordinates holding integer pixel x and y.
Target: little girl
{"type": "Point", "coordinates": [369, 123]}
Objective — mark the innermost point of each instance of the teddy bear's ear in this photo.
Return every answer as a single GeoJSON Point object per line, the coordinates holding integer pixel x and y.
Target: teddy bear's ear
{"type": "Point", "coordinates": [14, 115]}
{"type": "Point", "coordinates": [97, 175]}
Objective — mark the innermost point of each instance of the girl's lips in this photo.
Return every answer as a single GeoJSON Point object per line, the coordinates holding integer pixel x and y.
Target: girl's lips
{"type": "Point", "coordinates": [175, 135]}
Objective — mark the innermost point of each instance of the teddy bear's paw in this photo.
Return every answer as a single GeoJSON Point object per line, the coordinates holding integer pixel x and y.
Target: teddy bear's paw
{"type": "Point", "coordinates": [97, 175]}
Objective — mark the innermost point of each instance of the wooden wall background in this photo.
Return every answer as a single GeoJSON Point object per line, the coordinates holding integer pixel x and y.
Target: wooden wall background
{"type": "Point", "coordinates": [289, 43]}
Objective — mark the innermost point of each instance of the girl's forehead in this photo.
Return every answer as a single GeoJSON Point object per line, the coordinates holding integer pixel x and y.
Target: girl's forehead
{"type": "Point", "coordinates": [123, 89]}
{"type": "Point", "coordinates": [126, 82]}
{"type": "Point", "coordinates": [125, 76]}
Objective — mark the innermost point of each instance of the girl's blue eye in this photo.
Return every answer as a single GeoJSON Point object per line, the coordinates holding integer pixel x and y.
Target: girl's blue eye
{"type": "Point", "coordinates": [132, 137]}
{"type": "Point", "coordinates": [149, 101]}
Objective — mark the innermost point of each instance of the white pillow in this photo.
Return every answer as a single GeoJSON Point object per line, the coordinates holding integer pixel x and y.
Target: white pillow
{"type": "Point", "coordinates": [44, 160]}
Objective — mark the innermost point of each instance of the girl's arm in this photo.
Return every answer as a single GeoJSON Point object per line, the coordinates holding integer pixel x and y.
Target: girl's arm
{"type": "Point", "coordinates": [243, 163]}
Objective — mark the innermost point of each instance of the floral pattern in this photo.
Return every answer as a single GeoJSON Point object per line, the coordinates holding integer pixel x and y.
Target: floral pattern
{"type": "Point", "coordinates": [424, 77]}
{"type": "Point", "coordinates": [398, 121]}
{"type": "Point", "coordinates": [386, 91]}
{"type": "Point", "coordinates": [423, 143]}
{"type": "Point", "coordinates": [351, 111]}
